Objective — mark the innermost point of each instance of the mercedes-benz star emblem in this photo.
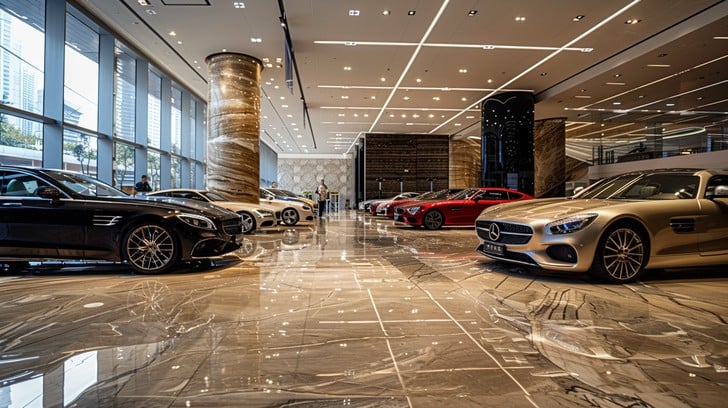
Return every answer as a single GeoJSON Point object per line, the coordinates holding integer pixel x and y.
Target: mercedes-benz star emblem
{"type": "Point", "coordinates": [494, 232]}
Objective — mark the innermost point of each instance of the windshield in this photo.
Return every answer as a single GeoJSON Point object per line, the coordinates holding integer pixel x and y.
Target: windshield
{"type": "Point", "coordinates": [213, 196]}
{"type": "Point", "coordinates": [462, 195]}
{"type": "Point", "coordinates": [658, 186]}
{"type": "Point", "coordinates": [284, 193]}
{"type": "Point", "coordinates": [85, 185]}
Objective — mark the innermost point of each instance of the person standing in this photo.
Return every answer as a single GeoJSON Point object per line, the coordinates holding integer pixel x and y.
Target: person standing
{"type": "Point", "coordinates": [142, 187]}
{"type": "Point", "coordinates": [323, 193]}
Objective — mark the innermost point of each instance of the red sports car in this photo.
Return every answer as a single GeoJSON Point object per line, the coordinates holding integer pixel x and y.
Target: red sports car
{"type": "Point", "coordinates": [393, 209]}
{"type": "Point", "coordinates": [462, 209]}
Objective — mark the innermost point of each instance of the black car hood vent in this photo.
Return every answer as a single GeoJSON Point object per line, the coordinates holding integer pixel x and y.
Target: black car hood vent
{"type": "Point", "coordinates": [682, 224]}
{"type": "Point", "coordinates": [106, 220]}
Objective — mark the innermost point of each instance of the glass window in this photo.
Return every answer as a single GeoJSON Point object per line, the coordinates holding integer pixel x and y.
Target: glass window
{"type": "Point", "coordinates": [176, 121]}
{"type": "Point", "coordinates": [193, 169]}
{"type": "Point", "coordinates": [22, 47]}
{"type": "Point", "coordinates": [193, 128]}
{"type": "Point", "coordinates": [124, 94]}
{"type": "Point", "coordinates": [175, 178]}
{"type": "Point", "coordinates": [79, 152]}
{"type": "Point", "coordinates": [154, 168]}
{"type": "Point", "coordinates": [21, 141]}
{"type": "Point", "coordinates": [81, 76]}
{"type": "Point", "coordinates": [124, 178]}
{"type": "Point", "coordinates": [154, 109]}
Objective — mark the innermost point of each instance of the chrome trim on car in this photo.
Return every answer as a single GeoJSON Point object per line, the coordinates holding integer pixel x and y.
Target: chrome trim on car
{"type": "Point", "coordinates": [106, 220]}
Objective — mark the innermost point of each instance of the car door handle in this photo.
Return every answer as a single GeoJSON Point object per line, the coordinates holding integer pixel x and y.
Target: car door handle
{"type": "Point", "coordinates": [12, 204]}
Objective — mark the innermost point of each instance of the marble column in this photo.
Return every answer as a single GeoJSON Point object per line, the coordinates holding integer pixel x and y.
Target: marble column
{"type": "Point", "coordinates": [549, 155]}
{"type": "Point", "coordinates": [507, 141]}
{"type": "Point", "coordinates": [464, 163]}
{"type": "Point", "coordinates": [233, 120]}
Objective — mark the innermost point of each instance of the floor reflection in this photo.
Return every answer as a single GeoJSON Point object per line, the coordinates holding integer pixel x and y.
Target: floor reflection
{"type": "Point", "coordinates": [354, 310]}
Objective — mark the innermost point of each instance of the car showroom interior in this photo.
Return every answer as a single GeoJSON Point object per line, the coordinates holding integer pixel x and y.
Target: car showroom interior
{"type": "Point", "coordinates": [363, 203]}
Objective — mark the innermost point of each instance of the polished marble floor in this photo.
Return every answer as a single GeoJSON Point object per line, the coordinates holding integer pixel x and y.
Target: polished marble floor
{"type": "Point", "coordinates": [356, 311]}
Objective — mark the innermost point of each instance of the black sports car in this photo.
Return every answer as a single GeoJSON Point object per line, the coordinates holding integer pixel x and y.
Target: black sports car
{"type": "Point", "coordinates": [48, 214]}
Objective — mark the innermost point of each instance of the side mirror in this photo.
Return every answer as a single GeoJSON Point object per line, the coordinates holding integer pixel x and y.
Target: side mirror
{"type": "Point", "coordinates": [50, 193]}
{"type": "Point", "coordinates": [720, 192]}
{"type": "Point", "coordinates": [577, 190]}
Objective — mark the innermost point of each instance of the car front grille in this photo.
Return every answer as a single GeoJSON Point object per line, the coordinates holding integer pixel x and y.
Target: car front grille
{"type": "Point", "coordinates": [513, 234]}
{"type": "Point", "coordinates": [233, 226]}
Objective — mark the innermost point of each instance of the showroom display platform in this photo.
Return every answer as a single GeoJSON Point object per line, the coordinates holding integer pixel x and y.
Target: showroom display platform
{"type": "Point", "coordinates": [356, 310]}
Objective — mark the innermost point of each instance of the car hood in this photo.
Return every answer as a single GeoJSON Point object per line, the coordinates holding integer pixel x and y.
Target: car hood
{"type": "Point", "coordinates": [183, 204]}
{"type": "Point", "coordinates": [547, 208]}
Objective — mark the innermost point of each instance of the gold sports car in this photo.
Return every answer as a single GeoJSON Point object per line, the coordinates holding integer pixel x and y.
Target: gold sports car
{"type": "Point", "coordinates": [618, 227]}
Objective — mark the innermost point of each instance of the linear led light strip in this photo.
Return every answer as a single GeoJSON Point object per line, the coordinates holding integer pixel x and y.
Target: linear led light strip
{"type": "Point", "coordinates": [656, 81]}
{"type": "Point", "coordinates": [418, 88]}
{"type": "Point", "coordinates": [411, 61]}
{"type": "Point", "coordinates": [446, 45]}
{"type": "Point", "coordinates": [536, 65]}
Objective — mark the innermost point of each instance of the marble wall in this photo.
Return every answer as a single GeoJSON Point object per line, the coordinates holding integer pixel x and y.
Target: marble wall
{"type": "Point", "coordinates": [233, 120]}
{"type": "Point", "coordinates": [549, 154]}
{"type": "Point", "coordinates": [464, 163]}
{"type": "Point", "coordinates": [303, 174]}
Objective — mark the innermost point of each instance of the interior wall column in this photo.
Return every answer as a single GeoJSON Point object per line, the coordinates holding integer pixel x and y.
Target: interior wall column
{"type": "Point", "coordinates": [507, 141]}
{"type": "Point", "coordinates": [233, 120]}
{"type": "Point", "coordinates": [464, 163]}
{"type": "Point", "coordinates": [549, 154]}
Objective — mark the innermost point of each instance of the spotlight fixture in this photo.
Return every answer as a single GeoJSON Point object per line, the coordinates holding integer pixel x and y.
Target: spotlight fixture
{"type": "Point", "coordinates": [520, 18]}
{"type": "Point", "coordinates": [472, 13]}
{"type": "Point", "coordinates": [632, 21]}
{"type": "Point", "coordinates": [256, 40]}
{"type": "Point", "coordinates": [463, 71]}
{"type": "Point", "coordinates": [411, 13]}
{"type": "Point", "coordinates": [386, 12]}
{"type": "Point", "coordinates": [354, 13]}
{"type": "Point", "coordinates": [577, 18]}
{"type": "Point", "coordinates": [172, 33]}
{"type": "Point", "coordinates": [238, 4]}
{"type": "Point", "coordinates": [143, 2]}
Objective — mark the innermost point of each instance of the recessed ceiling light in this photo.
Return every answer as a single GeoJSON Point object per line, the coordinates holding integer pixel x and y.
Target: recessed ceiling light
{"type": "Point", "coordinates": [659, 65]}
{"type": "Point", "coordinates": [463, 99]}
{"type": "Point", "coordinates": [458, 124]}
{"type": "Point", "coordinates": [720, 38]}
{"type": "Point", "coordinates": [179, 42]}
{"type": "Point", "coordinates": [238, 4]}
{"type": "Point", "coordinates": [520, 18]}
{"type": "Point", "coordinates": [617, 75]}
{"type": "Point", "coordinates": [382, 79]}
{"type": "Point", "coordinates": [669, 104]}
{"type": "Point", "coordinates": [353, 13]}
{"type": "Point", "coordinates": [404, 115]}
{"type": "Point", "coordinates": [418, 80]}
{"type": "Point", "coordinates": [700, 98]}
{"type": "Point", "coordinates": [143, 2]}
{"type": "Point", "coordinates": [344, 97]}
{"type": "Point", "coordinates": [406, 98]}
{"type": "Point", "coordinates": [373, 97]}
{"type": "Point", "coordinates": [544, 73]}
{"type": "Point", "coordinates": [432, 115]}
{"type": "Point", "coordinates": [472, 13]}
{"type": "Point", "coordinates": [172, 33]}
{"type": "Point", "coordinates": [284, 106]}
{"type": "Point", "coordinates": [386, 12]}
{"type": "Point", "coordinates": [341, 115]}
{"type": "Point", "coordinates": [391, 115]}
{"type": "Point", "coordinates": [577, 18]}
{"type": "Point", "coordinates": [490, 81]}
{"type": "Point", "coordinates": [256, 40]}
{"type": "Point", "coordinates": [616, 83]}
{"type": "Point", "coordinates": [632, 21]}
{"type": "Point", "coordinates": [347, 68]}
{"type": "Point", "coordinates": [463, 70]}
{"type": "Point", "coordinates": [435, 98]}
{"type": "Point", "coordinates": [411, 13]}
{"type": "Point", "coordinates": [616, 103]}
{"type": "Point", "coordinates": [582, 96]}
{"type": "Point", "coordinates": [151, 11]}
{"type": "Point", "coordinates": [470, 117]}
{"type": "Point", "coordinates": [283, 97]}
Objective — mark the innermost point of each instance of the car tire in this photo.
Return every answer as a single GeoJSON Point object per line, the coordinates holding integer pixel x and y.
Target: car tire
{"type": "Point", "coordinates": [289, 216]}
{"type": "Point", "coordinates": [621, 254]}
{"type": "Point", "coordinates": [248, 222]}
{"type": "Point", "coordinates": [433, 220]}
{"type": "Point", "coordinates": [150, 248]}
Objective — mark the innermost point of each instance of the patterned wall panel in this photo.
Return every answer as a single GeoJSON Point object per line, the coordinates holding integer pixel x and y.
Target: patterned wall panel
{"type": "Point", "coordinates": [299, 175]}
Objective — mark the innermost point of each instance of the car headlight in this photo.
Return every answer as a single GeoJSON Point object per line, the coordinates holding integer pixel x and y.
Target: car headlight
{"type": "Point", "coordinates": [264, 213]}
{"type": "Point", "coordinates": [413, 210]}
{"type": "Point", "coordinates": [197, 221]}
{"type": "Point", "coordinates": [570, 224]}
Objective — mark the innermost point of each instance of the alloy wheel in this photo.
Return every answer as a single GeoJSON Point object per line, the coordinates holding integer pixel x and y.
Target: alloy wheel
{"type": "Point", "coordinates": [623, 254]}
{"type": "Point", "coordinates": [289, 216]}
{"type": "Point", "coordinates": [150, 248]}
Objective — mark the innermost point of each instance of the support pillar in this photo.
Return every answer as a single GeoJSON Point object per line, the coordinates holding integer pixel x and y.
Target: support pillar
{"type": "Point", "coordinates": [507, 141]}
{"type": "Point", "coordinates": [233, 119]}
{"type": "Point", "coordinates": [465, 163]}
{"type": "Point", "coordinates": [549, 154]}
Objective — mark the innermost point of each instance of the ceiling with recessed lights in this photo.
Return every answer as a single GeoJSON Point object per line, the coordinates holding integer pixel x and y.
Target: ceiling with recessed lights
{"type": "Point", "coordinates": [614, 69]}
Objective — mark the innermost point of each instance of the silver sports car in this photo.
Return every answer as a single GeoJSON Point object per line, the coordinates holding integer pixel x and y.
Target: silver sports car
{"type": "Point", "coordinates": [617, 228]}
